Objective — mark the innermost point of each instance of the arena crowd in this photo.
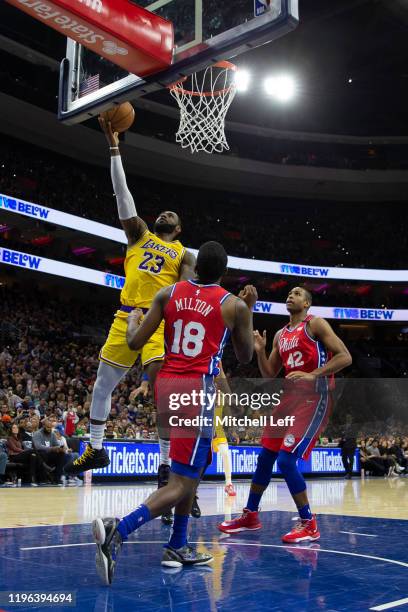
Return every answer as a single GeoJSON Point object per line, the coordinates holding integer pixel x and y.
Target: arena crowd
{"type": "Point", "coordinates": [48, 364]}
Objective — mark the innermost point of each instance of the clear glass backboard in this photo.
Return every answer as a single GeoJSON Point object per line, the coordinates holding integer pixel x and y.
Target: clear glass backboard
{"type": "Point", "coordinates": [206, 31]}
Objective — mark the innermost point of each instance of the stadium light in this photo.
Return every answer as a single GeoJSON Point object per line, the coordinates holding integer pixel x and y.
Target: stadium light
{"type": "Point", "coordinates": [242, 79]}
{"type": "Point", "coordinates": [281, 87]}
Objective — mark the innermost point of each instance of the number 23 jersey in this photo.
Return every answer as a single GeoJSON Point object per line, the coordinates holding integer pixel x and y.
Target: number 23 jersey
{"type": "Point", "coordinates": [150, 264]}
{"type": "Point", "coordinates": [194, 330]}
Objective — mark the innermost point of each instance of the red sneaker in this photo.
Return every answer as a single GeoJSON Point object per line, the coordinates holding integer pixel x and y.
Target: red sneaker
{"type": "Point", "coordinates": [248, 521]}
{"type": "Point", "coordinates": [304, 530]}
{"type": "Point", "coordinates": [229, 489]}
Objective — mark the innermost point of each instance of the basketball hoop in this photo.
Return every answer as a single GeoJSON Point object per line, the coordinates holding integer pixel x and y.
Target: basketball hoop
{"type": "Point", "coordinates": [204, 99]}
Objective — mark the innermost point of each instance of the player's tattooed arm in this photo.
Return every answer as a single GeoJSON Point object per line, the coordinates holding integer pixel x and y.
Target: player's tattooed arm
{"type": "Point", "coordinates": [269, 366]}
{"type": "Point", "coordinates": [133, 225]}
{"type": "Point", "coordinates": [187, 268]}
{"type": "Point", "coordinates": [141, 328]}
{"type": "Point", "coordinates": [322, 330]}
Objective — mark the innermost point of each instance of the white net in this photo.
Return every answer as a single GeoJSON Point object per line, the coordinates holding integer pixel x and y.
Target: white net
{"type": "Point", "coordinates": [204, 99]}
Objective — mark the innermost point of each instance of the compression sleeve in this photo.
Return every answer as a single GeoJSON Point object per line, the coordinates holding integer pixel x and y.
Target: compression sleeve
{"type": "Point", "coordinates": [124, 199]}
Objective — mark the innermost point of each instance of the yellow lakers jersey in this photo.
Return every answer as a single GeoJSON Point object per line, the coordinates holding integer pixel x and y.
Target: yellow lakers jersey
{"type": "Point", "coordinates": [150, 264]}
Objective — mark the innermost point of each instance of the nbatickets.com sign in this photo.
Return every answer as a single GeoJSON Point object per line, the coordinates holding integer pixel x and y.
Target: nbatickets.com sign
{"type": "Point", "coordinates": [73, 28]}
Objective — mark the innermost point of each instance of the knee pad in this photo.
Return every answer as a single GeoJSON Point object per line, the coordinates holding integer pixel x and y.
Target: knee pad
{"type": "Point", "coordinates": [264, 467]}
{"type": "Point", "coordinates": [287, 463]}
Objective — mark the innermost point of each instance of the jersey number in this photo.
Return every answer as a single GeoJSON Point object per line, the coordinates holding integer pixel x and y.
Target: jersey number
{"type": "Point", "coordinates": [193, 337]}
{"type": "Point", "coordinates": [295, 360]}
{"type": "Point", "coordinates": [152, 267]}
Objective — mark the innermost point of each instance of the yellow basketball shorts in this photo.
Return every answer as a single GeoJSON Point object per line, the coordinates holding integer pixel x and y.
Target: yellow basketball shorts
{"type": "Point", "coordinates": [116, 352]}
{"type": "Point", "coordinates": [216, 443]}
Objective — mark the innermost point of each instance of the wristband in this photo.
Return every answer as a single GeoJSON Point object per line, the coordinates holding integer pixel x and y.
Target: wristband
{"type": "Point", "coordinates": [145, 376]}
{"type": "Point", "coordinates": [114, 148]}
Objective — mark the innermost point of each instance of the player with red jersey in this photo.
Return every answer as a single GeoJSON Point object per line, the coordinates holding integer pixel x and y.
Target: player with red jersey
{"type": "Point", "coordinates": [199, 317]}
{"type": "Point", "coordinates": [310, 353]}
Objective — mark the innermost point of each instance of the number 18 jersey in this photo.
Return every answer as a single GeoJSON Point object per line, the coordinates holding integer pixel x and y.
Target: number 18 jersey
{"type": "Point", "coordinates": [194, 330]}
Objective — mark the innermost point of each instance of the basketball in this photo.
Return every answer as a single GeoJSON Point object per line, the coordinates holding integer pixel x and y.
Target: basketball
{"type": "Point", "coordinates": [121, 117]}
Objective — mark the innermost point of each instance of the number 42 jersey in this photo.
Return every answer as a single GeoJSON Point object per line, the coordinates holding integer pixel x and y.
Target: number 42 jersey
{"type": "Point", "coordinates": [194, 330]}
{"type": "Point", "coordinates": [299, 351]}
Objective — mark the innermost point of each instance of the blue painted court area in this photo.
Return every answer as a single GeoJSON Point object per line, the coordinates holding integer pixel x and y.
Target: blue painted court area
{"type": "Point", "coordinates": [359, 564]}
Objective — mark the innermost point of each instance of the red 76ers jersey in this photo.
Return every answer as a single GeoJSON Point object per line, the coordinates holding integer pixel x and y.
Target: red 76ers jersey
{"type": "Point", "coordinates": [299, 351]}
{"type": "Point", "coordinates": [194, 330]}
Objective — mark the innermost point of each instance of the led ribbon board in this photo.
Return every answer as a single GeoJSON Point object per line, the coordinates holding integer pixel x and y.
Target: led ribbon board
{"type": "Point", "coordinates": [114, 281]}
{"type": "Point", "coordinates": [43, 213]}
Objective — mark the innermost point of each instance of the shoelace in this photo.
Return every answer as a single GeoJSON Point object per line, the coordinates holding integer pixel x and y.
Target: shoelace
{"type": "Point", "coordinates": [299, 525]}
{"type": "Point", "coordinates": [87, 454]}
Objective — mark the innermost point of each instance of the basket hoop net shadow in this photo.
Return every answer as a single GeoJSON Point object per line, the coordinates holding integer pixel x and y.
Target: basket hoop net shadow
{"type": "Point", "coordinates": [204, 99]}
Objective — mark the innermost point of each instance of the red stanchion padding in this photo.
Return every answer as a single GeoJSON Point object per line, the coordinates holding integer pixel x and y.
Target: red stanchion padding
{"type": "Point", "coordinates": [126, 34]}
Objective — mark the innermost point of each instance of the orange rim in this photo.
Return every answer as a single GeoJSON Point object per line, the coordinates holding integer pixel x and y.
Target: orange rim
{"type": "Point", "coordinates": [205, 94]}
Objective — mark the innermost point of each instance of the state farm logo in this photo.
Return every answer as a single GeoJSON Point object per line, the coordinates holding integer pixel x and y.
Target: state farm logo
{"type": "Point", "coordinates": [112, 48]}
{"type": "Point", "coordinates": [71, 27]}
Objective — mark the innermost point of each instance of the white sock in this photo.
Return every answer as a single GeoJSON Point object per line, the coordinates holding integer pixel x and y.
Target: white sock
{"type": "Point", "coordinates": [226, 462]}
{"type": "Point", "coordinates": [164, 451]}
{"type": "Point", "coordinates": [97, 432]}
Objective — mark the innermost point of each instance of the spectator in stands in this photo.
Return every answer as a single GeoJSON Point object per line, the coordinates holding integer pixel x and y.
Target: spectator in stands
{"type": "Point", "coordinates": [110, 434]}
{"type": "Point", "coordinates": [4, 426]}
{"type": "Point", "coordinates": [70, 418]}
{"type": "Point", "coordinates": [130, 432]}
{"type": "Point", "coordinates": [13, 400]}
{"type": "Point", "coordinates": [26, 432]}
{"type": "Point", "coordinates": [46, 444]}
{"type": "Point", "coordinates": [371, 463]}
{"type": "Point", "coordinates": [69, 453]}
{"type": "Point", "coordinates": [3, 463]}
{"type": "Point", "coordinates": [17, 454]}
{"type": "Point", "coordinates": [388, 453]}
{"type": "Point", "coordinates": [81, 427]}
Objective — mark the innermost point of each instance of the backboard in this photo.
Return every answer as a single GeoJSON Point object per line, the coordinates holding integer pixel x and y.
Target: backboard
{"type": "Point", "coordinates": [206, 31]}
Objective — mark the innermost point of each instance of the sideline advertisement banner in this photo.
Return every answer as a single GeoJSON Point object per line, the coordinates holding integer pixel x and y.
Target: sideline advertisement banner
{"type": "Point", "coordinates": [141, 459]}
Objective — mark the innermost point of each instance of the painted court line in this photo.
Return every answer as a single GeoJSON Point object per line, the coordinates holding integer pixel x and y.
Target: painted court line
{"type": "Point", "coordinates": [367, 535]}
{"type": "Point", "coordinates": [391, 604]}
{"type": "Point", "coordinates": [88, 544]}
{"type": "Point", "coordinates": [229, 543]}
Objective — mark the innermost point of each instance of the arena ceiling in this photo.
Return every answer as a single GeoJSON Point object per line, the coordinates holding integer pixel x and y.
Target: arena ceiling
{"type": "Point", "coordinates": [348, 57]}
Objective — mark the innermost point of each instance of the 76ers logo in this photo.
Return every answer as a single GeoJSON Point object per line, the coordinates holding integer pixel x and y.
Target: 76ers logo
{"type": "Point", "coordinates": [289, 440]}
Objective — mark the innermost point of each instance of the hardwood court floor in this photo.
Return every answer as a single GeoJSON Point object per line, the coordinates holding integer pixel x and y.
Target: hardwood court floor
{"type": "Point", "coordinates": [359, 564]}
{"type": "Point", "coordinates": [375, 497]}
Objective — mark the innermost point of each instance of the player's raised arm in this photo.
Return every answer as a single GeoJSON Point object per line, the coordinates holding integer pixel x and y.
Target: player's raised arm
{"type": "Point", "coordinates": [269, 366]}
{"type": "Point", "coordinates": [140, 329]}
{"type": "Point", "coordinates": [133, 225]}
{"type": "Point", "coordinates": [187, 268]}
